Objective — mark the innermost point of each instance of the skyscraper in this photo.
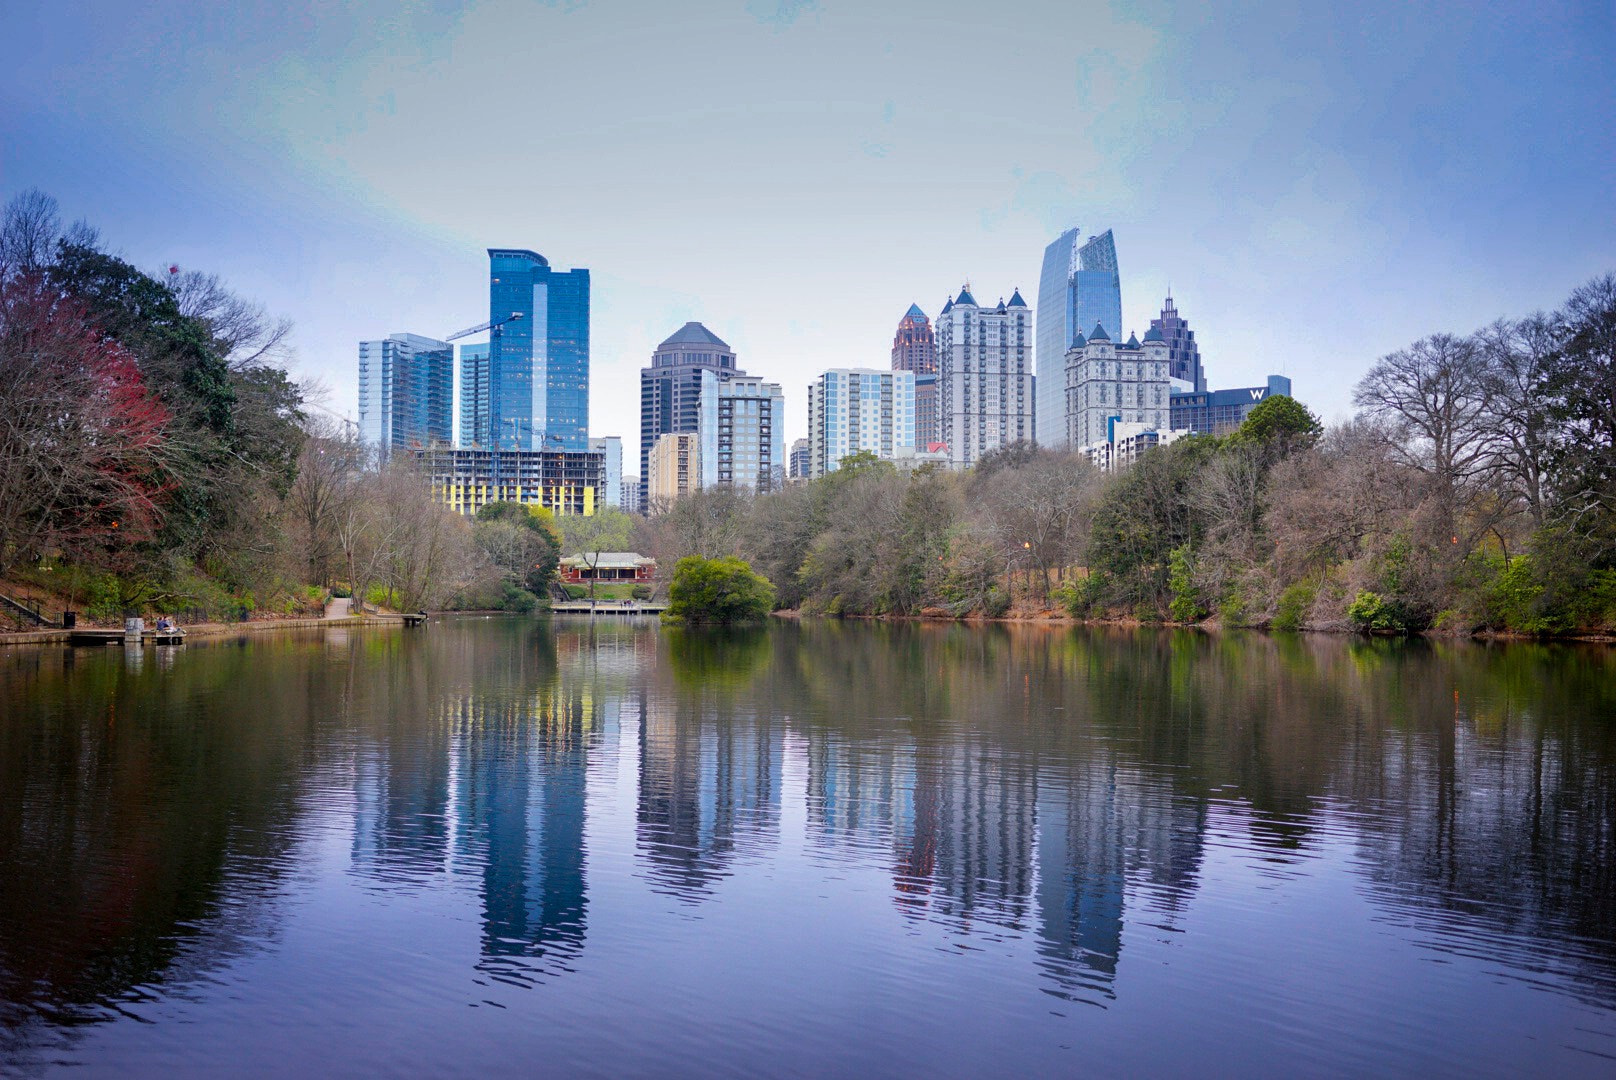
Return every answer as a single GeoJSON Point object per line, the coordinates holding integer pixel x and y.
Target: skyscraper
{"type": "Point", "coordinates": [928, 426]}
{"type": "Point", "coordinates": [473, 396]}
{"type": "Point", "coordinates": [742, 433]}
{"type": "Point", "coordinates": [1109, 384]}
{"type": "Point", "coordinates": [1078, 287]}
{"type": "Point", "coordinates": [915, 349]}
{"type": "Point", "coordinates": [538, 365]}
{"type": "Point", "coordinates": [1183, 355]}
{"type": "Point", "coordinates": [984, 375]}
{"type": "Point", "coordinates": [858, 409]}
{"type": "Point", "coordinates": [1096, 285]}
{"type": "Point", "coordinates": [406, 393]}
{"type": "Point", "coordinates": [672, 468]}
{"type": "Point", "coordinates": [610, 447]}
{"type": "Point", "coordinates": [670, 389]}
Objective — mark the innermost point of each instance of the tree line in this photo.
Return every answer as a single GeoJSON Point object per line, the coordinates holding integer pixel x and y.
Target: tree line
{"type": "Point", "coordinates": [1473, 490]}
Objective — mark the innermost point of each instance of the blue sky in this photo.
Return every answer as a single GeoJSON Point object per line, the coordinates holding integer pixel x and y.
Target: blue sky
{"type": "Point", "coordinates": [1319, 183]}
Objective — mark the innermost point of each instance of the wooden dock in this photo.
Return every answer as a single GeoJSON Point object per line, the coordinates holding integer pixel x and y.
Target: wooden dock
{"type": "Point", "coordinates": [606, 607]}
{"type": "Point", "coordinates": [90, 636]}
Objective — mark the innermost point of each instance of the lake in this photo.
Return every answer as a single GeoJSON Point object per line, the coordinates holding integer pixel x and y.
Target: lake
{"type": "Point", "coordinates": [502, 846]}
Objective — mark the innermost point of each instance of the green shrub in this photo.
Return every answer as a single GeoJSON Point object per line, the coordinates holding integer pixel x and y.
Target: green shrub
{"type": "Point", "coordinates": [1515, 600]}
{"type": "Point", "coordinates": [641, 592]}
{"type": "Point", "coordinates": [101, 597]}
{"type": "Point", "coordinates": [577, 592]}
{"type": "Point", "coordinates": [719, 591]}
{"type": "Point", "coordinates": [1080, 598]}
{"type": "Point", "coordinates": [1595, 605]}
{"type": "Point", "coordinates": [1146, 612]}
{"type": "Point", "coordinates": [1294, 604]}
{"type": "Point", "coordinates": [1369, 611]}
{"type": "Point", "coordinates": [1185, 605]}
{"type": "Point", "coordinates": [1234, 610]}
{"type": "Point", "coordinates": [516, 599]}
{"type": "Point", "coordinates": [995, 602]}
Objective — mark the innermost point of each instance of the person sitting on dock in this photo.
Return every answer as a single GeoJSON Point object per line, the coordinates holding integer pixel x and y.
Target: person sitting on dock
{"type": "Point", "coordinates": [165, 625]}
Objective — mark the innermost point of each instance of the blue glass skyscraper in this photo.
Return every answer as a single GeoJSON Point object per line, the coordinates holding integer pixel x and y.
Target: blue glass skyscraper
{"type": "Point", "coordinates": [538, 365]}
{"type": "Point", "coordinates": [1078, 287]}
{"type": "Point", "coordinates": [1097, 287]}
{"type": "Point", "coordinates": [406, 393]}
{"type": "Point", "coordinates": [1052, 338]}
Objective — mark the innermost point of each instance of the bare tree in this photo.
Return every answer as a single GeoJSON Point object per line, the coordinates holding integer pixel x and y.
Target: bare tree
{"type": "Point", "coordinates": [1034, 509]}
{"type": "Point", "coordinates": [1323, 505]}
{"type": "Point", "coordinates": [1517, 355]}
{"type": "Point", "coordinates": [1433, 397]}
{"type": "Point", "coordinates": [330, 477]}
{"type": "Point", "coordinates": [1581, 382]}
{"type": "Point", "coordinates": [242, 332]}
{"type": "Point", "coordinates": [29, 228]}
{"type": "Point", "coordinates": [428, 547]}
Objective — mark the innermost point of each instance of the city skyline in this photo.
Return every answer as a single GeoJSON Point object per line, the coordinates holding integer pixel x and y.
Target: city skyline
{"type": "Point", "coordinates": [1339, 162]}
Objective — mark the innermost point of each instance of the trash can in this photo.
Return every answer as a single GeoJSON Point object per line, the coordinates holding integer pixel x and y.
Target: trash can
{"type": "Point", "coordinates": [70, 619]}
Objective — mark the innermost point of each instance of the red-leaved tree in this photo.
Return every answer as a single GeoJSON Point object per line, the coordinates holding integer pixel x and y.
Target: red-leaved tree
{"type": "Point", "coordinates": [82, 467]}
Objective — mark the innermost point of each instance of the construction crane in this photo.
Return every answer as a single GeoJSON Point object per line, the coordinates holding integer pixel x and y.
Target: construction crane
{"type": "Point", "coordinates": [493, 324]}
{"type": "Point", "coordinates": [494, 425]}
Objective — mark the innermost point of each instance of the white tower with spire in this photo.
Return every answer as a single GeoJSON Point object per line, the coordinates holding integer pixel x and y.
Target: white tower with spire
{"type": "Point", "coordinates": [984, 375]}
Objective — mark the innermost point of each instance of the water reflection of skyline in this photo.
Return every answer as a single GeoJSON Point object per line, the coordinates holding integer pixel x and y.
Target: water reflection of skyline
{"type": "Point", "coordinates": [984, 832]}
{"type": "Point", "coordinates": [1046, 795]}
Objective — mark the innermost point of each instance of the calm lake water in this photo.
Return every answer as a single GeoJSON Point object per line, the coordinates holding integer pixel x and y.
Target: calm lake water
{"type": "Point", "coordinates": [508, 847]}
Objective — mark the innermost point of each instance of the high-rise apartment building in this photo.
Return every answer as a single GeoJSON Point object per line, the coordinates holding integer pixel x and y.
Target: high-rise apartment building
{"type": "Point", "coordinates": [984, 376]}
{"type": "Point", "coordinates": [1078, 287]}
{"type": "Point", "coordinates": [742, 433]}
{"type": "Point", "coordinates": [673, 467]}
{"type": "Point", "coordinates": [914, 348]}
{"type": "Point", "coordinates": [1183, 355]}
{"type": "Point", "coordinates": [1109, 384]}
{"type": "Point", "coordinates": [670, 389]}
{"type": "Point", "coordinates": [800, 456]}
{"type": "Point", "coordinates": [631, 503]}
{"type": "Point", "coordinates": [406, 393]}
{"type": "Point", "coordinates": [610, 448]}
{"type": "Point", "coordinates": [857, 409]}
{"type": "Point", "coordinates": [474, 401]}
{"type": "Point", "coordinates": [928, 429]}
{"type": "Point", "coordinates": [538, 366]}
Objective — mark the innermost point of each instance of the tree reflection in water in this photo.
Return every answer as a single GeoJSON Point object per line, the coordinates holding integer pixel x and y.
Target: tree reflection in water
{"type": "Point", "coordinates": [1045, 785]}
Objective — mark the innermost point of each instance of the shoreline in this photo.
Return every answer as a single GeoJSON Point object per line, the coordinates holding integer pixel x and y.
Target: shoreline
{"type": "Point", "coordinates": [1053, 618]}
{"type": "Point", "coordinates": [215, 630]}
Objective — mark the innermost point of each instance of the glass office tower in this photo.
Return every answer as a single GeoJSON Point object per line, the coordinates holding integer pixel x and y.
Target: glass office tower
{"type": "Point", "coordinates": [538, 366]}
{"type": "Point", "coordinates": [474, 402]}
{"type": "Point", "coordinates": [1053, 337]}
{"type": "Point", "coordinates": [1096, 286]}
{"type": "Point", "coordinates": [1078, 287]}
{"type": "Point", "coordinates": [406, 393]}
